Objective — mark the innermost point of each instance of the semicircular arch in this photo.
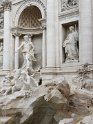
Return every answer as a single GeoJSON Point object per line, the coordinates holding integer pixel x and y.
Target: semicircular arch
{"type": "Point", "coordinates": [26, 4]}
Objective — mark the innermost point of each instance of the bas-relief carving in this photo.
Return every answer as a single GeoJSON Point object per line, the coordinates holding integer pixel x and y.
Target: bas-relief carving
{"type": "Point", "coordinates": [70, 45]}
{"type": "Point", "coordinates": [1, 20]}
{"type": "Point", "coordinates": [6, 4]}
{"type": "Point", "coordinates": [83, 79]}
{"type": "Point", "coordinates": [68, 4]}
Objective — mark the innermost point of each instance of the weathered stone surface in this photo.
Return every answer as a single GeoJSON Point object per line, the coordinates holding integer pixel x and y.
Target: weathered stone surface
{"type": "Point", "coordinates": [57, 102]}
{"type": "Point", "coordinates": [87, 120]}
{"type": "Point", "coordinates": [66, 121]}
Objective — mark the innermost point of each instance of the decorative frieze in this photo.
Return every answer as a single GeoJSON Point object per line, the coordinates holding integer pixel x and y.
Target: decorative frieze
{"type": "Point", "coordinates": [43, 23]}
{"type": "Point", "coordinates": [1, 20]}
{"type": "Point", "coordinates": [68, 4]}
{"type": "Point", "coordinates": [20, 30]}
{"type": "Point", "coordinates": [6, 4]}
{"type": "Point", "coordinates": [38, 1]}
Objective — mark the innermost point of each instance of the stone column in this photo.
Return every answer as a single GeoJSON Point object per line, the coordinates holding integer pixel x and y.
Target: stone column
{"type": "Point", "coordinates": [58, 57]}
{"type": "Point", "coordinates": [85, 32]}
{"type": "Point", "coordinates": [43, 23]}
{"type": "Point", "coordinates": [16, 50]}
{"type": "Point", "coordinates": [12, 52]}
{"type": "Point", "coordinates": [44, 48]}
{"type": "Point", "coordinates": [7, 20]}
{"type": "Point", "coordinates": [52, 33]}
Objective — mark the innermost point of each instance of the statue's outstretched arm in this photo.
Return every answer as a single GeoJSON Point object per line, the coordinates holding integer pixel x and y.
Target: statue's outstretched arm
{"type": "Point", "coordinates": [19, 47]}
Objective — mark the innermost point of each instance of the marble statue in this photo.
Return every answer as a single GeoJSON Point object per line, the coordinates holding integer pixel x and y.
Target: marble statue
{"type": "Point", "coordinates": [28, 52]}
{"type": "Point", "coordinates": [1, 54]}
{"type": "Point", "coordinates": [70, 45]}
{"type": "Point", "coordinates": [23, 81]}
{"type": "Point", "coordinates": [7, 84]}
{"type": "Point", "coordinates": [16, 81]}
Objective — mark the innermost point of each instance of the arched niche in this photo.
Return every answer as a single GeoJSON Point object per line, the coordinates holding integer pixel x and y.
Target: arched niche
{"type": "Point", "coordinates": [27, 4]}
{"type": "Point", "coordinates": [29, 24]}
{"type": "Point", "coordinates": [29, 18]}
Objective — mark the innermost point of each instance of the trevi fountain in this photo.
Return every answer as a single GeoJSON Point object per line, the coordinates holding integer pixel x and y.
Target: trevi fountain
{"type": "Point", "coordinates": [46, 61]}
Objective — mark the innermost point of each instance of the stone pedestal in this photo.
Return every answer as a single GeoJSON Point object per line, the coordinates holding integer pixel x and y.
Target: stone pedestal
{"type": "Point", "coordinates": [85, 32]}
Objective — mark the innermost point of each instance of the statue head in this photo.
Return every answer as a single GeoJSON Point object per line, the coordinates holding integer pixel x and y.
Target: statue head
{"type": "Point", "coordinates": [71, 28]}
{"type": "Point", "coordinates": [26, 38]}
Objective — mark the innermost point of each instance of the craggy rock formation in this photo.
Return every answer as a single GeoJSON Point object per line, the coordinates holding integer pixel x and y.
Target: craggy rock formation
{"type": "Point", "coordinates": [57, 102]}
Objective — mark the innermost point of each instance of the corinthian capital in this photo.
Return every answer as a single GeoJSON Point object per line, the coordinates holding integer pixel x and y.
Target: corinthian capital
{"type": "Point", "coordinates": [6, 4]}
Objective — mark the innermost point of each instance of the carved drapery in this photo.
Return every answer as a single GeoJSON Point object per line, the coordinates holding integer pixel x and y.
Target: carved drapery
{"type": "Point", "coordinates": [68, 4]}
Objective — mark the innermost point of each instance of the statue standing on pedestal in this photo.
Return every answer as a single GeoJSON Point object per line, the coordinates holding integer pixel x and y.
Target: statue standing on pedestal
{"type": "Point", "coordinates": [28, 52]}
{"type": "Point", "coordinates": [70, 45]}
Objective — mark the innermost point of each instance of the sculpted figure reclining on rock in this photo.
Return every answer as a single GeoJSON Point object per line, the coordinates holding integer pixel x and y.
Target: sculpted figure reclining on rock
{"type": "Point", "coordinates": [19, 81]}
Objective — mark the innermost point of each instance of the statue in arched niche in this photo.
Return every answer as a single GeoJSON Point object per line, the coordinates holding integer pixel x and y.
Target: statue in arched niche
{"type": "Point", "coordinates": [28, 52]}
{"type": "Point", "coordinates": [70, 45]}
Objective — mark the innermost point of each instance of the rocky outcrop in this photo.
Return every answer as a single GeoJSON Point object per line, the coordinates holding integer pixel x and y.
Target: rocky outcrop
{"type": "Point", "coordinates": [57, 102]}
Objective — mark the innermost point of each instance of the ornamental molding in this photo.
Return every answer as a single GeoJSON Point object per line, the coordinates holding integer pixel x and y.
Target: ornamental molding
{"type": "Point", "coordinates": [43, 23]}
{"type": "Point", "coordinates": [6, 4]}
{"type": "Point", "coordinates": [38, 1]}
{"type": "Point", "coordinates": [69, 14]}
{"type": "Point", "coordinates": [28, 3]}
{"type": "Point", "coordinates": [35, 1]}
{"type": "Point", "coordinates": [17, 31]}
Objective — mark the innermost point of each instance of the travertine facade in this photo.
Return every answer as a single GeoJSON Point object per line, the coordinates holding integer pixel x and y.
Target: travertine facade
{"type": "Point", "coordinates": [48, 22]}
{"type": "Point", "coordinates": [46, 62]}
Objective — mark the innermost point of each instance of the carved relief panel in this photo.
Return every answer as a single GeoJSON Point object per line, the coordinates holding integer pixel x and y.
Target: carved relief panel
{"type": "Point", "coordinates": [68, 4]}
{"type": "Point", "coordinates": [1, 20]}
